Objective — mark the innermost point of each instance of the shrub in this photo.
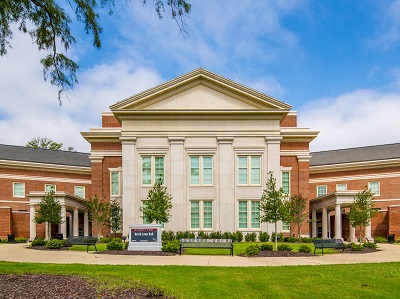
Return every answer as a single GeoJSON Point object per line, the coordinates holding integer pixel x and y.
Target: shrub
{"type": "Point", "coordinates": [381, 240]}
{"type": "Point", "coordinates": [356, 247]}
{"type": "Point", "coordinates": [4, 241]}
{"type": "Point", "coordinates": [53, 244]}
{"type": "Point", "coordinates": [126, 245]}
{"type": "Point", "coordinates": [304, 248]}
{"type": "Point", "coordinates": [252, 250]}
{"type": "Point", "coordinates": [234, 237]}
{"type": "Point", "coordinates": [39, 242]}
{"type": "Point", "coordinates": [184, 235]}
{"type": "Point", "coordinates": [168, 235]}
{"type": "Point", "coordinates": [21, 240]}
{"type": "Point", "coordinates": [290, 239]}
{"type": "Point", "coordinates": [306, 240]}
{"type": "Point", "coordinates": [267, 247]}
{"type": "Point", "coordinates": [280, 237]}
{"type": "Point", "coordinates": [250, 237]}
{"type": "Point", "coordinates": [104, 240]}
{"type": "Point", "coordinates": [115, 244]}
{"type": "Point", "coordinates": [239, 236]}
{"type": "Point", "coordinates": [284, 247]}
{"type": "Point", "coordinates": [398, 240]}
{"type": "Point", "coordinates": [170, 246]}
{"type": "Point", "coordinates": [263, 237]}
{"type": "Point", "coordinates": [370, 245]}
{"type": "Point", "coordinates": [215, 235]}
{"type": "Point", "coordinates": [203, 235]}
{"type": "Point", "coordinates": [226, 235]}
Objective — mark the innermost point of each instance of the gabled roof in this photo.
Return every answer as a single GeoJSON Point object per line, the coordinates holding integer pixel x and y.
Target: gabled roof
{"type": "Point", "coordinates": [46, 156]}
{"type": "Point", "coordinates": [203, 77]}
{"type": "Point", "coordinates": [354, 155]}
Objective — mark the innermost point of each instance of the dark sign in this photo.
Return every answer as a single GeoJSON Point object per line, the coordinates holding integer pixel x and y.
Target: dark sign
{"type": "Point", "coordinates": [143, 234]}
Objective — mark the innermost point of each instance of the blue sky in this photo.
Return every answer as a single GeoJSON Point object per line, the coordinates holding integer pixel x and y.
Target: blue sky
{"type": "Point", "coordinates": [336, 62]}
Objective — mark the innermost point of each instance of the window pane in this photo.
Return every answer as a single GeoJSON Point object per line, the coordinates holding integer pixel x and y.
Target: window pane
{"type": "Point", "coordinates": [255, 170]}
{"type": "Point", "coordinates": [159, 169]}
{"type": "Point", "coordinates": [255, 214]}
{"type": "Point", "coordinates": [242, 214]}
{"type": "Point", "coordinates": [195, 170]}
{"type": "Point", "coordinates": [207, 214]}
{"type": "Point", "coordinates": [19, 190]}
{"type": "Point", "coordinates": [49, 188]}
{"type": "Point", "coordinates": [114, 183]}
{"type": "Point", "coordinates": [374, 186]}
{"type": "Point", "coordinates": [194, 215]}
{"type": "Point", "coordinates": [146, 170]}
{"type": "Point", "coordinates": [285, 226]}
{"type": "Point", "coordinates": [286, 182]}
{"type": "Point", "coordinates": [80, 191]}
{"type": "Point", "coordinates": [321, 190]}
{"type": "Point", "coordinates": [341, 187]}
{"type": "Point", "coordinates": [242, 170]}
{"type": "Point", "coordinates": [207, 170]}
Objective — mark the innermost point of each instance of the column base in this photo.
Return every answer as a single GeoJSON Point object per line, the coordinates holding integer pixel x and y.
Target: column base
{"type": "Point", "coordinates": [352, 240]}
{"type": "Point", "coordinates": [368, 240]}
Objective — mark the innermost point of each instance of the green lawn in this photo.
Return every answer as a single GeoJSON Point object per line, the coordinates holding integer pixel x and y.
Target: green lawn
{"type": "Point", "coordinates": [326, 281]}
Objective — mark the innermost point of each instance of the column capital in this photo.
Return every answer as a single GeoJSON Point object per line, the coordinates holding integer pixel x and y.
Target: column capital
{"type": "Point", "coordinates": [128, 139]}
{"type": "Point", "coordinates": [275, 139]}
{"type": "Point", "coordinates": [225, 139]}
{"type": "Point", "coordinates": [176, 140]}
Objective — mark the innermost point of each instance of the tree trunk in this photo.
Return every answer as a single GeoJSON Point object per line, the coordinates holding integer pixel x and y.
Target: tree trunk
{"type": "Point", "coordinates": [360, 234]}
{"type": "Point", "coordinates": [276, 236]}
{"type": "Point", "coordinates": [299, 230]}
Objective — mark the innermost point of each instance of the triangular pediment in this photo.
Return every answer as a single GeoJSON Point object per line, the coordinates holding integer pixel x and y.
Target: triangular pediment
{"type": "Point", "coordinates": [200, 90]}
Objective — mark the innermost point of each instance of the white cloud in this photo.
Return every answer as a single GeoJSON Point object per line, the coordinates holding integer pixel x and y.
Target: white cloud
{"type": "Point", "coordinates": [388, 18]}
{"type": "Point", "coordinates": [358, 118]}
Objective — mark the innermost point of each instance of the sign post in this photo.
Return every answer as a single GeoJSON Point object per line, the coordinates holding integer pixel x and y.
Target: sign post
{"type": "Point", "coordinates": [146, 237]}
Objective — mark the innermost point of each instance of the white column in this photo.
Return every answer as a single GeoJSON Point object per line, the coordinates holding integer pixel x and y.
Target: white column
{"type": "Point", "coordinates": [352, 230]}
{"type": "Point", "coordinates": [178, 184]}
{"type": "Point", "coordinates": [338, 222]}
{"type": "Point", "coordinates": [63, 225]}
{"type": "Point", "coordinates": [130, 202]}
{"type": "Point", "coordinates": [368, 233]}
{"type": "Point", "coordinates": [274, 157]}
{"type": "Point", "coordinates": [86, 224]}
{"type": "Point", "coordinates": [47, 233]}
{"type": "Point", "coordinates": [314, 224]}
{"type": "Point", "coordinates": [324, 223]}
{"type": "Point", "coordinates": [32, 224]}
{"type": "Point", "coordinates": [75, 226]}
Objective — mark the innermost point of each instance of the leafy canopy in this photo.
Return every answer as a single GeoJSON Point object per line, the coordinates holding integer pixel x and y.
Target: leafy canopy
{"type": "Point", "coordinates": [99, 213]}
{"type": "Point", "coordinates": [49, 210]}
{"type": "Point", "coordinates": [49, 25]}
{"type": "Point", "coordinates": [46, 143]}
{"type": "Point", "coordinates": [158, 204]}
{"type": "Point", "coordinates": [297, 206]}
{"type": "Point", "coordinates": [115, 216]}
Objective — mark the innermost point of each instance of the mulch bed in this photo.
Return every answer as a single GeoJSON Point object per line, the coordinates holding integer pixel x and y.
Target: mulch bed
{"type": "Point", "coordinates": [126, 252]}
{"type": "Point", "coordinates": [43, 286]}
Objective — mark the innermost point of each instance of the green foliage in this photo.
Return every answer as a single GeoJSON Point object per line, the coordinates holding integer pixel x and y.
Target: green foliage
{"type": "Point", "coordinates": [53, 244]}
{"type": "Point", "coordinates": [99, 213]}
{"type": "Point", "coordinates": [49, 211]}
{"type": "Point", "coordinates": [252, 250]}
{"type": "Point", "coordinates": [115, 216]}
{"type": "Point", "coordinates": [356, 247]}
{"type": "Point", "coordinates": [39, 242]}
{"type": "Point", "coordinates": [250, 237]}
{"type": "Point", "coordinates": [184, 235]}
{"type": "Point", "coordinates": [170, 246]}
{"type": "Point", "coordinates": [266, 247]}
{"type": "Point", "coordinates": [297, 206]}
{"type": "Point", "coordinates": [304, 248]}
{"type": "Point", "coordinates": [104, 240]}
{"type": "Point", "coordinates": [263, 237]}
{"type": "Point", "coordinates": [21, 240]}
{"type": "Point", "coordinates": [380, 240]}
{"type": "Point", "coordinates": [167, 235]}
{"type": "Point", "coordinates": [46, 143]}
{"type": "Point", "coordinates": [239, 236]}
{"type": "Point", "coordinates": [273, 207]}
{"type": "Point", "coordinates": [306, 240]}
{"type": "Point", "coordinates": [203, 235]}
{"type": "Point", "coordinates": [284, 247]}
{"type": "Point", "coordinates": [290, 239]}
{"type": "Point", "coordinates": [115, 244]}
{"type": "Point", "coordinates": [215, 235]}
{"type": "Point", "coordinates": [278, 236]}
{"type": "Point", "coordinates": [158, 204]}
{"type": "Point", "coordinates": [398, 240]}
{"type": "Point", "coordinates": [370, 245]}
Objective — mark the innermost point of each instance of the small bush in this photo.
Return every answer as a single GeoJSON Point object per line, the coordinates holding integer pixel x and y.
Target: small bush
{"type": "Point", "coordinates": [306, 240]}
{"type": "Point", "coordinates": [304, 248]}
{"type": "Point", "coordinates": [184, 235]}
{"type": "Point", "coordinates": [53, 244]}
{"type": "Point", "coordinates": [21, 240]}
{"type": "Point", "coordinates": [38, 242]}
{"type": "Point", "coordinates": [280, 237]}
{"type": "Point", "coordinates": [170, 246]}
{"type": "Point", "coordinates": [263, 237]}
{"type": "Point", "coordinates": [104, 240]}
{"type": "Point", "coordinates": [203, 235]}
{"type": "Point", "coordinates": [381, 240]}
{"type": "Point", "coordinates": [252, 250]}
{"type": "Point", "coordinates": [266, 247]}
{"type": "Point", "coordinates": [290, 239]}
{"type": "Point", "coordinates": [398, 240]}
{"type": "Point", "coordinates": [115, 244]}
{"type": "Point", "coordinates": [126, 245]}
{"type": "Point", "coordinates": [370, 245]}
{"type": "Point", "coordinates": [239, 236]}
{"type": "Point", "coordinates": [356, 247]}
{"type": "Point", "coordinates": [4, 241]}
{"type": "Point", "coordinates": [168, 235]}
{"type": "Point", "coordinates": [215, 235]}
{"type": "Point", "coordinates": [250, 237]}
{"type": "Point", "coordinates": [284, 247]}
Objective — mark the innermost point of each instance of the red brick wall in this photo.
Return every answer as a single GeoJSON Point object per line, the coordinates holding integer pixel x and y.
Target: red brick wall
{"type": "Point", "coordinates": [109, 121]}
{"type": "Point", "coordinates": [289, 121]}
{"type": "Point", "coordinates": [5, 222]}
{"type": "Point", "coordinates": [21, 225]}
{"type": "Point", "coordinates": [380, 224]}
{"type": "Point", "coordinates": [394, 220]}
{"type": "Point", "coordinates": [104, 146]}
{"type": "Point", "coordinates": [295, 146]}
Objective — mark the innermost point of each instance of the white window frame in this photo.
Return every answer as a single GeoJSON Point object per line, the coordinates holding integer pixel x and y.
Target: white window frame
{"type": "Point", "coordinates": [283, 228]}
{"type": "Point", "coordinates": [46, 185]}
{"type": "Point", "coordinates": [341, 189]}
{"type": "Point", "coordinates": [19, 196]}
{"type": "Point", "coordinates": [201, 215]}
{"type": "Point", "coordinates": [249, 226]}
{"type": "Point", "coordinates": [152, 169]}
{"type": "Point", "coordinates": [119, 182]}
{"type": "Point", "coordinates": [84, 191]}
{"type": "Point", "coordinates": [249, 170]}
{"type": "Point", "coordinates": [201, 170]}
{"type": "Point", "coordinates": [326, 190]}
{"type": "Point", "coordinates": [282, 172]}
{"type": "Point", "coordinates": [379, 187]}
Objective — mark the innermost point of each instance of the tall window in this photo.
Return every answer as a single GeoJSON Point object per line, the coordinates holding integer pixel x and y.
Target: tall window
{"type": "Point", "coordinates": [49, 188]}
{"type": "Point", "coordinates": [249, 214]}
{"type": "Point", "coordinates": [115, 183]}
{"type": "Point", "coordinates": [18, 189]}
{"type": "Point", "coordinates": [201, 214]}
{"type": "Point", "coordinates": [249, 170]}
{"type": "Point", "coordinates": [286, 182]}
{"type": "Point", "coordinates": [341, 187]}
{"type": "Point", "coordinates": [321, 190]}
{"type": "Point", "coordinates": [201, 170]}
{"type": "Point", "coordinates": [79, 191]}
{"type": "Point", "coordinates": [152, 170]}
{"type": "Point", "coordinates": [375, 187]}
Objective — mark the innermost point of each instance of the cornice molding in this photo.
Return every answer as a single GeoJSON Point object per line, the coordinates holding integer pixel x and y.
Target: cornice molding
{"type": "Point", "coordinates": [45, 167]}
{"type": "Point", "coordinates": [354, 166]}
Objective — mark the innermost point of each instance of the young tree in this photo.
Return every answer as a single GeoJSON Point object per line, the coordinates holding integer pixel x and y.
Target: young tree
{"type": "Point", "coordinates": [273, 207]}
{"type": "Point", "coordinates": [297, 206]}
{"type": "Point", "coordinates": [46, 143]}
{"type": "Point", "coordinates": [49, 212]}
{"type": "Point", "coordinates": [115, 216]}
{"type": "Point", "coordinates": [158, 204]}
{"type": "Point", "coordinates": [99, 213]}
{"type": "Point", "coordinates": [362, 210]}
{"type": "Point", "coordinates": [51, 30]}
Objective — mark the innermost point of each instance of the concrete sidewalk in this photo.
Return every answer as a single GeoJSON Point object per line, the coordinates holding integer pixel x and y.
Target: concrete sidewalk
{"type": "Point", "coordinates": [19, 253]}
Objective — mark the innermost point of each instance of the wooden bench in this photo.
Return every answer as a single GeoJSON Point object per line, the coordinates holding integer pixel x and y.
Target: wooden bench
{"type": "Point", "coordinates": [82, 240]}
{"type": "Point", "coordinates": [206, 243]}
{"type": "Point", "coordinates": [328, 243]}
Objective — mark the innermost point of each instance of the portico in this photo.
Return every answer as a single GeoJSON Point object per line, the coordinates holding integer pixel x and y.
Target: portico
{"type": "Point", "coordinates": [71, 204]}
{"type": "Point", "coordinates": [334, 202]}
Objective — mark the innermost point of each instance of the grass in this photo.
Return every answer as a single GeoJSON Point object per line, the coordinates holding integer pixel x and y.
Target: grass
{"type": "Point", "coordinates": [327, 281]}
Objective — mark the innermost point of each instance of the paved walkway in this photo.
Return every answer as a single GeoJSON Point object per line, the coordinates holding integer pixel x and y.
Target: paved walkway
{"type": "Point", "coordinates": [19, 253]}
